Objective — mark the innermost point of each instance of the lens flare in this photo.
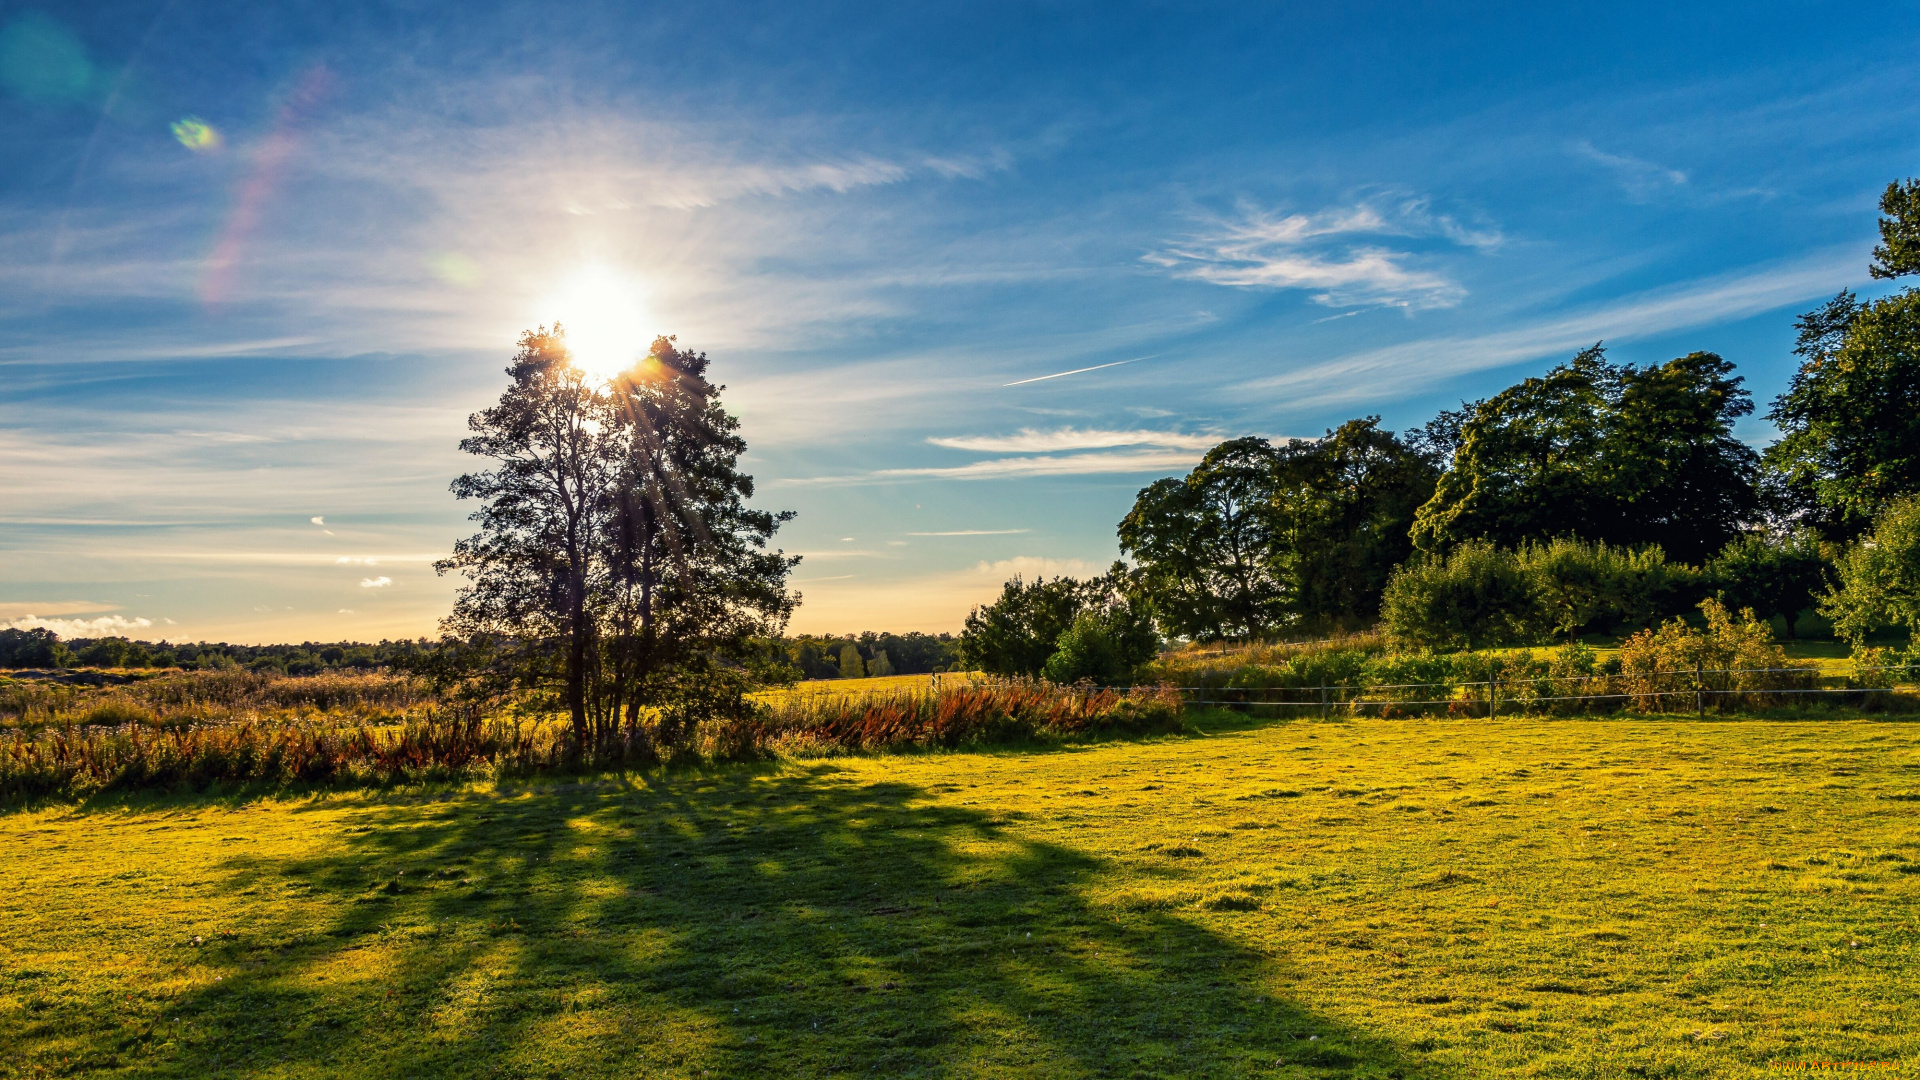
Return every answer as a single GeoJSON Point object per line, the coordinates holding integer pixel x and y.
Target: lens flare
{"type": "Point", "coordinates": [454, 269]}
{"type": "Point", "coordinates": [605, 322]}
{"type": "Point", "coordinates": [196, 134]}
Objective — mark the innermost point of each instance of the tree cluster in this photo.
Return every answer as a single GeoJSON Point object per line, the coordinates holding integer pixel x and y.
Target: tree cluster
{"type": "Point", "coordinates": [1620, 482]}
{"type": "Point", "coordinates": [1063, 629]}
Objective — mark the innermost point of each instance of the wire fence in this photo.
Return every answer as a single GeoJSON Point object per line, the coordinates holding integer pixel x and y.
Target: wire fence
{"type": "Point", "coordinates": [1669, 691]}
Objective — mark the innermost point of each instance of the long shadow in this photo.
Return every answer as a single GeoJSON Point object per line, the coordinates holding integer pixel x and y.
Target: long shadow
{"type": "Point", "coordinates": [737, 923]}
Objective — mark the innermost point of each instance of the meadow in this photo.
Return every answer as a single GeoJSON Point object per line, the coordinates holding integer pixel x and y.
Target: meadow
{"type": "Point", "coordinates": [1622, 897]}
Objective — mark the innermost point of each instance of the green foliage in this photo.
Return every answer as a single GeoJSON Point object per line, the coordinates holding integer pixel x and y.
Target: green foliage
{"type": "Point", "coordinates": [1479, 595]}
{"type": "Point", "coordinates": [1475, 596]}
{"type": "Point", "coordinates": [1261, 538]}
{"type": "Point", "coordinates": [1777, 576]}
{"type": "Point", "coordinates": [1738, 655]}
{"type": "Point", "coordinates": [1898, 252]}
{"type": "Point", "coordinates": [1019, 633]}
{"type": "Point", "coordinates": [1878, 579]}
{"type": "Point", "coordinates": [1087, 651]}
{"type": "Point", "coordinates": [851, 666]}
{"type": "Point", "coordinates": [1625, 455]}
{"type": "Point", "coordinates": [38, 648]}
{"type": "Point", "coordinates": [1850, 419]}
{"type": "Point", "coordinates": [1207, 546]}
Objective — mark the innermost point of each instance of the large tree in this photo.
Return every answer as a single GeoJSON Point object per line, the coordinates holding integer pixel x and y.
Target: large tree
{"type": "Point", "coordinates": [1850, 419]}
{"type": "Point", "coordinates": [1597, 451]}
{"type": "Point", "coordinates": [536, 559]}
{"type": "Point", "coordinates": [1205, 549]}
{"type": "Point", "coordinates": [1259, 539]}
{"type": "Point", "coordinates": [689, 572]}
{"type": "Point", "coordinates": [616, 557]}
{"type": "Point", "coordinates": [1343, 505]}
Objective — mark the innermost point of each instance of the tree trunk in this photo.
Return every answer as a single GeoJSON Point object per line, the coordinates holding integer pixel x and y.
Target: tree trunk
{"type": "Point", "coordinates": [577, 657]}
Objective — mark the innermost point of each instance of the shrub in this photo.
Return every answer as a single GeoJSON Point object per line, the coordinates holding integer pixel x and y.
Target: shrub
{"type": "Point", "coordinates": [1473, 597]}
{"type": "Point", "coordinates": [1774, 575]}
{"type": "Point", "coordinates": [1879, 579]}
{"type": "Point", "coordinates": [1086, 651]}
{"type": "Point", "coordinates": [1481, 596]}
{"type": "Point", "coordinates": [1660, 664]}
{"type": "Point", "coordinates": [966, 715]}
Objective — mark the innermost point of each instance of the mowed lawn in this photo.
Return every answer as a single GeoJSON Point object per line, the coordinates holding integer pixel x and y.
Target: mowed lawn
{"type": "Point", "coordinates": [1401, 898]}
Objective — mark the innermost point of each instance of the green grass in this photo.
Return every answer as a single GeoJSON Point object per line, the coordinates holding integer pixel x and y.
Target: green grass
{"type": "Point", "coordinates": [1400, 898]}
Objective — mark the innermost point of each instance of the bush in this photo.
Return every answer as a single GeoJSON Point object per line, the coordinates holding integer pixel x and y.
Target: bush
{"type": "Point", "coordinates": [1474, 597]}
{"type": "Point", "coordinates": [1879, 579]}
{"type": "Point", "coordinates": [965, 715]}
{"type": "Point", "coordinates": [1087, 652]}
{"type": "Point", "coordinates": [1019, 633]}
{"type": "Point", "coordinates": [1660, 664]}
{"type": "Point", "coordinates": [1481, 596]}
{"type": "Point", "coordinates": [1777, 576]}
{"type": "Point", "coordinates": [1582, 588]}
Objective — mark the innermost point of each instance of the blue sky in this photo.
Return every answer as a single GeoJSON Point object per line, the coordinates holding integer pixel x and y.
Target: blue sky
{"type": "Point", "coordinates": [261, 260]}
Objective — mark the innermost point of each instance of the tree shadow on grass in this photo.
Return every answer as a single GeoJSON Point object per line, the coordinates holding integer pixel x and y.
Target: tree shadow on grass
{"type": "Point", "coordinates": [737, 923]}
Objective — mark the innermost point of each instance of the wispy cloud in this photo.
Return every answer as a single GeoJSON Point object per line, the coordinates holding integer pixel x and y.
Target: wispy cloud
{"type": "Point", "coordinates": [29, 608]}
{"type": "Point", "coordinates": [1028, 440]}
{"type": "Point", "coordinates": [1136, 461]}
{"type": "Point", "coordinates": [380, 582]}
{"type": "Point", "coordinates": [973, 532]}
{"type": "Point", "coordinates": [1641, 178]}
{"type": "Point", "coordinates": [1320, 252]}
{"type": "Point", "coordinates": [1416, 364]}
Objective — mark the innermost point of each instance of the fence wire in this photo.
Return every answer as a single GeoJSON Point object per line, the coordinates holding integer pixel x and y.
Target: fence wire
{"type": "Point", "coordinates": [1652, 690]}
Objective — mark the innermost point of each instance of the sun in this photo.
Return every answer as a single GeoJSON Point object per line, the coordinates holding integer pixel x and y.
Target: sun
{"type": "Point", "coordinates": [606, 325]}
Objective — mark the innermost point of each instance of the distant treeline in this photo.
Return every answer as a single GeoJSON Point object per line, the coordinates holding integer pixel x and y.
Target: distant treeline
{"type": "Point", "coordinates": [40, 648]}
{"type": "Point", "coordinates": [807, 656]}
{"type": "Point", "coordinates": [855, 656]}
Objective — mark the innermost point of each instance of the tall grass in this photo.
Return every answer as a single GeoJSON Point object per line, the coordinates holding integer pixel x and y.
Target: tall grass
{"type": "Point", "coordinates": [1729, 663]}
{"type": "Point", "coordinates": [126, 749]}
{"type": "Point", "coordinates": [980, 713]}
{"type": "Point", "coordinates": [192, 698]}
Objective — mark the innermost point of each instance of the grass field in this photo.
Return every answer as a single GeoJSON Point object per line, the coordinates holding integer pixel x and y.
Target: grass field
{"type": "Point", "coordinates": [1370, 898]}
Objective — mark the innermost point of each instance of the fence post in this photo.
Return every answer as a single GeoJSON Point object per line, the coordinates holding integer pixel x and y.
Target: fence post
{"type": "Point", "coordinates": [1699, 691]}
{"type": "Point", "coordinates": [1323, 701]}
{"type": "Point", "coordinates": [1493, 695]}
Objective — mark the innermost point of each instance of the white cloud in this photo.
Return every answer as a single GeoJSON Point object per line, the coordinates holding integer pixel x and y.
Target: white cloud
{"type": "Point", "coordinates": [1031, 567]}
{"type": "Point", "coordinates": [356, 560]}
{"type": "Point", "coordinates": [344, 611]}
{"type": "Point", "coordinates": [318, 520]}
{"type": "Point", "coordinates": [1027, 440]}
{"type": "Point", "coordinates": [972, 532]}
{"type": "Point", "coordinates": [104, 626]}
{"type": "Point", "coordinates": [1317, 252]}
{"type": "Point", "coordinates": [375, 583]}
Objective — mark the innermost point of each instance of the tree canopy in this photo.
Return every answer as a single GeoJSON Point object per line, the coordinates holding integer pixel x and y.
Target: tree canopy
{"type": "Point", "coordinates": [1592, 450]}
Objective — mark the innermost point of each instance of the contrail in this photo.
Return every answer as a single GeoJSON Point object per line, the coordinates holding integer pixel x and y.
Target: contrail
{"type": "Point", "coordinates": [1076, 371]}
